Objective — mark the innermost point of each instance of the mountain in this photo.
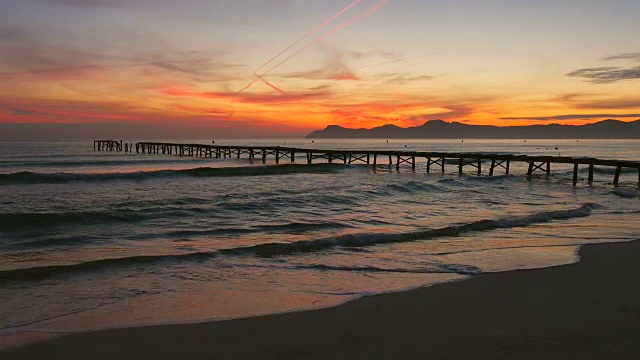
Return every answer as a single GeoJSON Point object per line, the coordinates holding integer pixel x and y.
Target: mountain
{"type": "Point", "coordinates": [438, 129]}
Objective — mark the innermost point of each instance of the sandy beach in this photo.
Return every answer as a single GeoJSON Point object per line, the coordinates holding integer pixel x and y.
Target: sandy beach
{"type": "Point", "coordinates": [587, 310]}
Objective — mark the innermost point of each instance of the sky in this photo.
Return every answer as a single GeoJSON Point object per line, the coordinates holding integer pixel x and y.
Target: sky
{"type": "Point", "coordinates": [283, 68]}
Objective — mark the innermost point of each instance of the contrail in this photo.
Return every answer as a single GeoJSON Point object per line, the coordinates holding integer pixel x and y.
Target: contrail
{"type": "Point", "coordinates": [318, 28]}
{"type": "Point", "coordinates": [270, 84]}
{"type": "Point", "coordinates": [361, 16]}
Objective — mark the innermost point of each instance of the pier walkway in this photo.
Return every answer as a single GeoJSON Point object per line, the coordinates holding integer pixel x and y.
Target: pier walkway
{"type": "Point", "coordinates": [435, 161]}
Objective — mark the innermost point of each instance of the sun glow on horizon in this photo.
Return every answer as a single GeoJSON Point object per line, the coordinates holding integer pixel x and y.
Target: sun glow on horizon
{"type": "Point", "coordinates": [363, 64]}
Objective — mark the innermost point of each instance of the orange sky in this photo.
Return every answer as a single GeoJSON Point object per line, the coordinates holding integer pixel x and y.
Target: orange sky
{"type": "Point", "coordinates": [352, 63]}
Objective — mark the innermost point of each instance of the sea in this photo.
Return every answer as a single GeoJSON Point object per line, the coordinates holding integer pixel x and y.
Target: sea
{"type": "Point", "coordinates": [92, 240]}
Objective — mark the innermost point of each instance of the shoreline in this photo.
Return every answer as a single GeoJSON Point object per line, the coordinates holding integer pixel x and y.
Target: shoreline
{"type": "Point", "coordinates": [589, 309]}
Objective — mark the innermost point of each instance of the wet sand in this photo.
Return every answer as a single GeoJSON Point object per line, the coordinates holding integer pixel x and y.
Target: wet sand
{"type": "Point", "coordinates": [588, 310]}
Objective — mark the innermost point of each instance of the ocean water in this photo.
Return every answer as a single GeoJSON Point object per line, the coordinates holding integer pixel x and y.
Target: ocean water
{"type": "Point", "coordinates": [92, 240]}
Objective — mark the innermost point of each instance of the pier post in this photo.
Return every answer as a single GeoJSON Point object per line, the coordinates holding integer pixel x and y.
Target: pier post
{"type": "Point", "coordinates": [368, 159]}
{"type": "Point", "coordinates": [390, 161]}
{"type": "Point", "coordinates": [507, 170]}
{"type": "Point", "coordinates": [398, 163]}
{"type": "Point", "coordinates": [309, 158]}
{"type": "Point", "coordinates": [591, 166]}
{"type": "Point", "coordinates": [264, 156]}
{"type": "Point", "coordinates": [293, 157]}
{"type": "Point", "coordinates": [479, 167]}
{"type": "Point", "coordinates": [575, 174]}
{"type": "Point", "coordinates": [461, 164]}
{"type": "Point", "coordinates": [375, 159]}
{"type": "Point", "coordinates": [549, 168]}
{"type": "Point", "coordinates": [277, 156]}
{"type": "Point", "coordinates": [428, 165]}
{"type": "Point", "coordinates": [616, 179]}
{"type": "Point", "coordinates": [330, 158]}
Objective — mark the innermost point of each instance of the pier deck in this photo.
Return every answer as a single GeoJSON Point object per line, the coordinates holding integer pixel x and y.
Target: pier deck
{"type": "Point", "coordinates": [434, 160]}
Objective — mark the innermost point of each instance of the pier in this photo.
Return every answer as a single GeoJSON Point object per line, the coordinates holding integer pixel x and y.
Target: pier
{"type": "Point", "coordinates": [435, 161]}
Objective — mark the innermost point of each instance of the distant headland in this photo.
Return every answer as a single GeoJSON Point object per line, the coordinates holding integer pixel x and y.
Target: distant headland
{"type": "Point", "coordinates": [438, 129]}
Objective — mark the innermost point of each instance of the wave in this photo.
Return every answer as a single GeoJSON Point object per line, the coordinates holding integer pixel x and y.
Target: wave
{"type": "Point", "coordinates": [434, 268]}
{"type": "Point", "coordinates": [28, 177]}
{"type": "Point", "coordinates": [29, 221]}
{"type": "Point", "coordinates": [270, 250]}
{"type": "Point", "coordinates": [610, 170]}
{"type": "Point", "coordinates": [627, 194]}
{"type": "Point", "coordinates": [93, 163]}
{"type": "Point", "coordinates": [412, 186]}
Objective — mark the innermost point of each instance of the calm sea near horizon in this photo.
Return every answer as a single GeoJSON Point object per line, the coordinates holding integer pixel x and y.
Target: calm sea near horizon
{"type": "Point", "coordinates": [92, 240]}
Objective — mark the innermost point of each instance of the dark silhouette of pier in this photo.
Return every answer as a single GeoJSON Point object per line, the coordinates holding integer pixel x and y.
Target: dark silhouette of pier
{"type": "Point", "coordinates": [436, 161]}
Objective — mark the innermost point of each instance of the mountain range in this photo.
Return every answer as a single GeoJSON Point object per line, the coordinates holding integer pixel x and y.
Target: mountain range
{"type": "Point", "coordinates": [438, 129]}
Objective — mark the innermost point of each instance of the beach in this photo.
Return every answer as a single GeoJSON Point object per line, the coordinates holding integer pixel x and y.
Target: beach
{"type": "Point", "coordinates": [587, 310]}
{"type": "Point", "coordinates": [133, 249]}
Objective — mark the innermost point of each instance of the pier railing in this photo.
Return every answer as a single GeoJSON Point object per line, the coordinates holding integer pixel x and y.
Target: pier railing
{"type": "Point", "coordinates": [434, 160]}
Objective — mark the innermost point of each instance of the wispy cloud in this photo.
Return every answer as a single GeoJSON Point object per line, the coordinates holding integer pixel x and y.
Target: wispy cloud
{"type": "Point", "coordinates": [574, 117]}
{"type": "Point", "coordinates": [607, 75]}
{"type": "Point", "coordinates": [96, 3]}
{"type": "Point", "coordinates": [625, 56]}
{"type": "Point", "coordinates": [401, 79]}
{"type": "Point", "coordinates": [595, 101]}
{"type": "Point", "coordinates": [610, 74]}
{"type": "Point", "coordinates": [248, 98]}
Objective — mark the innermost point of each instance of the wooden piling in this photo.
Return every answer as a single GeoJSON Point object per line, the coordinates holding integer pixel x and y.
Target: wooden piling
{"type": "Point", "coordinates": [616, 179]}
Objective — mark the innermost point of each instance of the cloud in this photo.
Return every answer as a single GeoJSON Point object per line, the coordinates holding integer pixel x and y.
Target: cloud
{"type": "Point", "coordinates": [573, 117]}
{"type": "Point", "coordinates": [248, 98]}
{"type": "Point", "coordinates": [25, 112]}
{"type": "Point", "coordinates": [400, 79]}
{"type": "Point", "coordinates": [32, 56]}
{"type": "Point", "coordinates": [333, 67]}
{"type": "Point", "coordinates": [94, 3]}
{"type": "Point", "coordinates": [455, 112]}
{"type": "Point", "coordinates": [626, 56]}
{"type": "Point", "coordinates": [610, 74]}
{"type": "Point", "coordinates": [607, 75]}
{"type": "Point", "coordinates": [366, 55]}
{"type": "Point", "coordinates": [594, 101]}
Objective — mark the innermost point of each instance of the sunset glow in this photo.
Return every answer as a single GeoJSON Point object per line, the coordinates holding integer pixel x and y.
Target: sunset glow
{"type": "Point", "coordinates": [293, 67]}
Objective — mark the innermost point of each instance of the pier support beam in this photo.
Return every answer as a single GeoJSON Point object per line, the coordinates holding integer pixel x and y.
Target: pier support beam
{"type": "Point", "coordinates": [616, 179]}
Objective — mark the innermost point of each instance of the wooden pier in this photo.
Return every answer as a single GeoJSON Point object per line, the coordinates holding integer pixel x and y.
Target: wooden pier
{"type": "Point", "coordinates": [434, 160]}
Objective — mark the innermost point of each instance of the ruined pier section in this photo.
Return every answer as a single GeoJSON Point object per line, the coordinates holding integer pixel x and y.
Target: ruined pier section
{"type": "Point", "coordinates": [435, 161]}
